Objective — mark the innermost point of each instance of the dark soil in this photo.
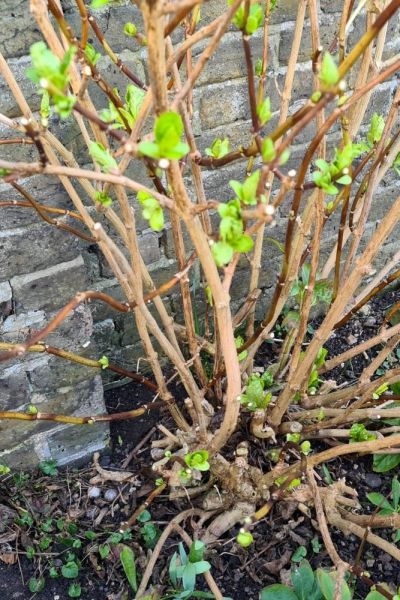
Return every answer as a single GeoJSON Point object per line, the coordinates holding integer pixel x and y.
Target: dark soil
{"type": "Point", "coordinates": [239, 573]}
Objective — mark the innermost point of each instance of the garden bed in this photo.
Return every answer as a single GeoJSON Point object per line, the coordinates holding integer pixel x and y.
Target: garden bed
{"type": "Point", "coordinates": [64, 505]}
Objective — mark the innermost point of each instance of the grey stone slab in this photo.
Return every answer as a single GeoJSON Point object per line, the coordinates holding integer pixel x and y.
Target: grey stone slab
{"type": "Point", "coordinates": [50, 288]}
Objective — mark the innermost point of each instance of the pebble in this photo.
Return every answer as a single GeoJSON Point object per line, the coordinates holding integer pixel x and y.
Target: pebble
{"type": "Point", "coordinates": [365, 310]}
{"type": "Point", "coordinates": [373, 481]}
{"type": "Point", "coordinates": [370, 322]}
{"type": "Point", "coordinates": [351, 339]}
{"type": "Point", "coordinates": [94, 492]}
{"type": "Point", "coordinates": [370, 562]}
{"type": "Point", "coordinates": [110, 495]}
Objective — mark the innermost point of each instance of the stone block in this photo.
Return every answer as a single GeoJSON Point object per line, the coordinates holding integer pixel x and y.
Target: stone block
{"type": "Point", "coordinates": [223, 103]}
{"type": "Point", "coordinates": [35, 247]}
{"type": "Point", "coordinates": [229, 62]}
{"type": "Point", "coordinates": [50, 288]}
{"type": "Point", "coordinates": [105, 336]}
{"type": "Point", "coordinates": [8, 105]}
{"type": "Point", "coordinates": [45, 190]}
{"type": "Point", "coordinates": [55, 372]}
{"type": "Point", "coordinates": [16, 328]}
{"type": "Point", "coordinates": [114, 77]}
{"type": "Point", "coordinates": [5, 300]}
{"type": "Point", "coordinates": [26, 443]}
{"type": "Point", "coordinates": [84, 398]}
{"type": "Point", "coordinates": [18, 28]}
{"type": "Point", "coordinates": [328, 26]}
{"type": "Point", "coordinates": [14, 387]}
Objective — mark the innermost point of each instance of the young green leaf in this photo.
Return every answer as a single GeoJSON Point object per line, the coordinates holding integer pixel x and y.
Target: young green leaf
{"type": "Point", "coordinates": [74, 590]}
{"type": "Point", "coordinates": [168, 129]}
{"type": "Point", "coordinates": [103, 157]}
{"type": "Point", "coordinates": [36, 585]}
{"type": "Point", "coordinates": [395, 492]}
{"type": "Point", "coordinates": [99, 3]}
{"type": "Point", "coordinates": [127, 559]}
{"type": "Point", "coordinates": [222, 253]}
{"type": "Point", "coordinates": [379, 500]}
{"type": "Point", "coordinates": [268, 150]}
{"type": "Point", "coordinates": [91, 55]}
{"type": "Point", "coordinates": [130, 29]}
{"type": "Point", "coordinates": [376, 129]}
{"type": "Point", "coordinates": [70, 570]}
{"type": "Point", "coordinates": [329, 74]}
{"type": "Point", "coordinates": [327, 584]}
{"type": "Point", "coordinates": [299, 554]}
{"type": "Point", "coordinates": [385, 462]}
{"type": "Point", "coordinates": [278, 591]}
{"type": "Point", "coordinates": [303, 580]}
{"type": "Point", "coordinates": [244, 538]}
{"type": "Point", "coordinates": [219, 148]}
{"type": "Point", "coordinates": [264, 111]}
{"type": "Point", "coordinates": [104, 362]}
{"type": "Point", "coordinates": [152, 211]}
{"type": "Point", "coordinates": [103, 198]}
{"type": "Point", "coordinates": [198, 460]}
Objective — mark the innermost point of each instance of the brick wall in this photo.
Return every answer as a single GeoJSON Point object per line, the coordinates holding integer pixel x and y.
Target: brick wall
{"type": "Point", "coordinates": [41, 267]}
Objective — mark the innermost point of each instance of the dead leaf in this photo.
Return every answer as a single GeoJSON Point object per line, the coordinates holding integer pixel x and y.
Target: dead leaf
{"type": "Point", "coordinates": [7, 555]}
{"type": "Point", "coordinates": [105, 475]}
{"type": "Point", "coordinates": [75, 513]}
{"type": "Point", "coordinates": [276, 566]}
{"type": "Point", "coordinates": [9, 536]}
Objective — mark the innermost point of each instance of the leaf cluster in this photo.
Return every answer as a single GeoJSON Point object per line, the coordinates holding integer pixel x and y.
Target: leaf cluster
{"type": "Point", "coordinates": [168, 130]}
{"type": "Point", "coordinates": [51, 74]}
{"type": "Point", "coordinates": [254, 397]}
{"type": "Point", "coordinates": [134, 97]}
{"type": "Point", "coordinates": [231, 233]}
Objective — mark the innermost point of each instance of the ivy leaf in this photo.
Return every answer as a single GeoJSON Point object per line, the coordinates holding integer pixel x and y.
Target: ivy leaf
{"type": "Point", "coordinates": [103, 157]}
{"type": "Point", "coordinates": [222, 253]}
{"type": "Point", "coordinates": [264, 111]}
{"type": "Point", "coordinates": [36, 585]}
{"type": "Point", "coordinates": [329, 74]}
{"type": "Point", "coordinates": [70, 570]}
{"type": "Point", "coordinates": [74, 590]}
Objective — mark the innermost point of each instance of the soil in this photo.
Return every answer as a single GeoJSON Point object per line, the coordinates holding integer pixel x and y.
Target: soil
{"type": "Point", "coordinates": [239, 573]}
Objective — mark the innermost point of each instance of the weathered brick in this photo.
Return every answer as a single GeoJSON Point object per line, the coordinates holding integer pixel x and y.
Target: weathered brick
{"type": "Point", "coordinates": [8, 105]}
{"type": "Point", "coordinates": [50, 288]}
{"type": "Point", "coordinates": [35, 247]}
{"type": "Point", "coordinates": [18, 28]}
